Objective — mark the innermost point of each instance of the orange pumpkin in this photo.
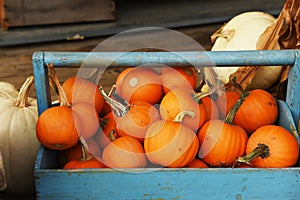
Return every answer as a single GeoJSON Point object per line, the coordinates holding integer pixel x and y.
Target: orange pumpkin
{"type": "Point", "coordinates": [271, 146]}
{"type": "Point", "coordinates": [172, 77]}
{"type": "Point", "coordinates": [221, 143]}
{"type": "Point", "coordinates": [133, 119]}
{"type": "Point", "coordinates": [87, 121]}
{"type": "Point", "coordinates": [136, 121]}
{"type": "Point", "coordinates": [83, 164]}
{"type": "Point", "coordinates": [122, 74]}
{"type": "Point", "coordinates": [55, 127]}
{"type": "Point", "coordinates": [212, 110]}
{"type": "Point", "coordinates": [197, 163]}
{"type": "Point", "coordinates": [85, 161]}
{"type": "Point", "coordinates": [178, 100]}
{"type": "Point", "coordinates": [170, 143]}
{"type": "Point", "coordinates": [124, 152]}
{"type": "Point", "coordinates": [140, 84]}
{"type": "Point", "coordinates": [108, 125]}
{"type": "Point", "coordinates": [259, 108]}
{"type": "Point", "coordinates": [226, 101]}
{"type": "Point", "coordinates": [82, 90]}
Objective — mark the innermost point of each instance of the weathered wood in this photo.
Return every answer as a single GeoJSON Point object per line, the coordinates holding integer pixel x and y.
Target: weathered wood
{"type": "Point", "coordinates": [134, 14]}
{"type": "Point", "coordinates": [212, 183]}
{"type": "Point", "coordinates": [16, 61]}
{"type": "Point", "coordinates": [31, 12]}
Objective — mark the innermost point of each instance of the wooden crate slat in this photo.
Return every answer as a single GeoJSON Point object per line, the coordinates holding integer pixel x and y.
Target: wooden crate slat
{"type": "Point", "coordinates": [31, 12]}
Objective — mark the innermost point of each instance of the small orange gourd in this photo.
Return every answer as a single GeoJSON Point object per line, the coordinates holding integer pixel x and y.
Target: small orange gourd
{"type": "Point", "coordinates": [172, 77]}
{"type": "Point", "coordinates": [79, 89]}
{"type": "Point", "coordinates": [183, 99]}
{"type": "Point", "coordinates": [87, 120]}
{"type": "Point", "coordinates": [138, 83]}
{"type": "Point", "coordinates": [197, 163]}
{"type": "Point", "coordinates": [259, 108]}
{"type": "Point", "coordinates": [55, 127]}
{"type": "Point", "coordinates": [226, 101]}
{"type": "Point", "coordinates": [170, 143]}
{"type": "Point", "coordinates": [212, 110]}
{"type": "Point", "coordinates": [134, 118]}
{"type": "Point", "coordinates": [84, 162]}
{"type": "Point", "coordinates": [124, 152]}
{"type": "Point", "coordinates": [271, 146]}
{"type": "Point", "coordinates": [222, 142]}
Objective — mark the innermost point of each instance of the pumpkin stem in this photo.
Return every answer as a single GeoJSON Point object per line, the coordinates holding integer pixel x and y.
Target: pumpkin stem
{"type": "Point", "coordinates": [227, 34]}
{"type": "Point", "coordinates": [236, 85]}
{"type": "Point", "coordinates": [261, 150]}
{"type": "Point", "coordinates": [85, 154]}
{"type": "Point", "coordinates": [232, 112]}
{"type": "Point", "coordinates": [117, 107]}
{"type": "Point", "coordinates": [22, 99]}
{"type": "Point", "coordinates": [112, 89]}
{"type": "Point", "coordinates": [200, 95]}
{"type": "Point", "coordinates": [61, 93]}
{"type": "Point", "coordinates": [111, 135]}
{"type": "Point", "coordinates": [179, 117]}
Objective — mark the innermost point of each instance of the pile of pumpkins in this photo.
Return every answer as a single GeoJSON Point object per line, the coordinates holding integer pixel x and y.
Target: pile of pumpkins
{"type": "Point", "coordinates": [155, 118]}
{"type": "Point", "coordinates": [151, 119]}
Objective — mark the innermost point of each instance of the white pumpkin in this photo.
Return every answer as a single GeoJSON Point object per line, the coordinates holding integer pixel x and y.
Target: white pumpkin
{"type": "Point", "coordinates": [18, 142]}
{"type": "Point", "coordinates": [8, 90]}
{"type": "Point", "coordinates": [242, 33]}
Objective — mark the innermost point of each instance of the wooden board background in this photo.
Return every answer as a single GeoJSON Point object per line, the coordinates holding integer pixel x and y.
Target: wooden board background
{"type": "Point", "coordinates": [32, 12]}
{"type": "Point", "coordinates": [16, 61]}
{"type": "Point", "coordinates": [141, 13]}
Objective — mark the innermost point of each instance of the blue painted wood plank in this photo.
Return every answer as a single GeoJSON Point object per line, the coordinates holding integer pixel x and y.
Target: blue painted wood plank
{"type": "Point", "coordinates": [285, 119]}
{"type": "Point", "coordinates": [199, 58]}
{"type": "Point", "coordinates": [293, 89]}
{"type": "Point", "coordinates": [41, 82]}
{"type": "Point", "coordinates": [218, 183]}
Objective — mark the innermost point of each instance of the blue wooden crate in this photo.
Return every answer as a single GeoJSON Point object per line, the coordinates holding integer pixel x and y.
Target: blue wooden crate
{"type": "Point", "coordinates": [167, 183]}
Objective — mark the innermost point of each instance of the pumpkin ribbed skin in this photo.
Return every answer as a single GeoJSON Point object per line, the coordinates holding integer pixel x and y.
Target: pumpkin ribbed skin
{"type": "Point", "coordinates": [178, 100]}
{"type": "Point", "coordinates": [212, 110]}
{"type": "Point", "coordinates": [8, 90]}
{"type": "Point", "coordinates": [221, 143]}
{"type": "Point", "coordinates": [259, 108]}
{"type": "Point", "coordinates": [136, 121]}
{"type": "Point", "coordinates": [140, 84]}
{"type": "Point", "coordinates": [123, 74]}
{"type": "Point", "coordinates": [124, 152]}
{"type": "Point", "coordinates": [172, 77]}
{"type": "Point", "coordinates": [197, 163]}
{"type": "Point", "coordinates": [55, 128]}
{"type": "Point", "coordinates": [83, 164]}
{"type": "Point", "coordinates": [82, 90]}
{"type": "Point", "coordinates": [87, 120]}
{"type": "Point", "coordinates": [283, 146]}
{"type": "Point", "coordinates": [170, 144]}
